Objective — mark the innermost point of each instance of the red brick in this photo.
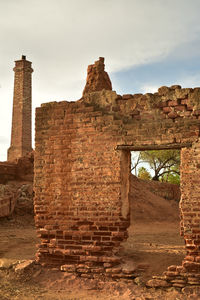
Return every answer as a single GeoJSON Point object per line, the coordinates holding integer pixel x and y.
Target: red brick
{"type": "Point", "coordinates": [82, 175]}
{"type": "Point", "coordinates": [173, 103]}
{"type": "Point", "coordinates": [97, 78]}
{"type": "Point", "coordinates": [21, 136]}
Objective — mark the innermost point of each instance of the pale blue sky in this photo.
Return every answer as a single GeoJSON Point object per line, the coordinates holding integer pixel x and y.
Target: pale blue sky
{"type": "Point", "coordinates": [146, 44]}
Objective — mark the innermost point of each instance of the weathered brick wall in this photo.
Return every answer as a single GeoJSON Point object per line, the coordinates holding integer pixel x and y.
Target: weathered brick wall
{"type": "Point", "coordinates": [77, 203]}
{"type": "Point", "coordinates": [189, 272]}
{"type": "Point", "coordinates": [22, 170]}
{"type": "Point", "coordinates": [82, 166]}
{"type": "Point", "coordinates": [7, 204]}
{"type": "Point", "coordinates": [21, 140]}
{"type": "Point", "coordinates": [189, 205]}
{"type": "Point", "coordinates": [7, 172]}
{"type": "Point", "coordinates": [7, 197]}
{"type": "Point", "coordinates": [97, 78]}
{"type": "Point", "coordinates": [24, 167]}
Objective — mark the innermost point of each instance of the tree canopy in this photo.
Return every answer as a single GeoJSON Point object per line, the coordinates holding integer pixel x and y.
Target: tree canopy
{"type": "Point", "coordinates": [162, 165]}
{"type": "Point", "coordinates": [143, 173]}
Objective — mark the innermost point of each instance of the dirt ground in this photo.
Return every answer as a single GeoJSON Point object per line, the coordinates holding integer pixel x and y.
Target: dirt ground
{"type": "Point", "coordinates": [155, 246]}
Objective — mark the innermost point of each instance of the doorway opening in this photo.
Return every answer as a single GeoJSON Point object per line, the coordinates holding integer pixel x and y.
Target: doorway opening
{"type": "Point", "coordinates": [154, 241]}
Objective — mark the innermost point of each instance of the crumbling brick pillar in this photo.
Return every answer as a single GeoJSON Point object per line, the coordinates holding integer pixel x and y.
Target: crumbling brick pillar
{"type": "Point", "coordinates": [188, 274]}
{"type": "Point", "coordinates": [190, 206]}
{"type": "Point", "coordinates": [21, 141]}
{"type": "Point", "coordinates": [97, 78]}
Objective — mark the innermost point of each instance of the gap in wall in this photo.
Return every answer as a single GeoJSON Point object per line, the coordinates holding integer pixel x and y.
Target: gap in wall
{"type": "Point", "coordinates": [154, 240]}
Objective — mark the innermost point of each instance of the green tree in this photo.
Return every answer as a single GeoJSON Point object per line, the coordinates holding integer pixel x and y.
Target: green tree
{"type": "Point", "coordinates": [143, 173]}
{"type": "Point", "coordinates": [165, 164]}
{"type": "Point", "coordinates": [171, 177]}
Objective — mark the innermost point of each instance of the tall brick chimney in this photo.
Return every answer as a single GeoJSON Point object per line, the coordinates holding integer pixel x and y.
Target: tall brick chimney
{"type": "Point", "coordinates": [21, 137]}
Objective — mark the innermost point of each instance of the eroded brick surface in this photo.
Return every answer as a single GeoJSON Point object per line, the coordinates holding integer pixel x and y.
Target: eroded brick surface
{"type": "Point", "coordinates": [22, 170]}
{"type": "Point", "coordinates": [7, 201]}
{"type": "Point", "coordinates": [7, 172]}
{"type": "Point", "coordinates": [81, 184]}
{"type": "Point", "coordinates": [97, 78]}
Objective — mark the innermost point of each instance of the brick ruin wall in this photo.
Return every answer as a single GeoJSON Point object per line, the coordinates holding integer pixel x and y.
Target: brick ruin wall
{"type": "Point", "coordinates": [22, 170]}
{"type": "Point", "coordinates": [7, 172]}
{"type": "Point", "coordinates": [7, 203]}
{"type": "Point", "coordinates": [82, 164]}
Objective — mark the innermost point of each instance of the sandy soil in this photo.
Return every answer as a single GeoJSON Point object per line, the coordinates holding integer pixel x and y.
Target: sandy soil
{"type": "Point", "coordinates": [154, 243]}
{"type": "Point", "coordinates": [155, 246]}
